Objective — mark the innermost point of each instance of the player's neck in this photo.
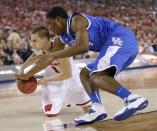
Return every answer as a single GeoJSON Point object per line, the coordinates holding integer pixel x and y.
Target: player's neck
{"type": "Point", "coordinates": [65, 26]}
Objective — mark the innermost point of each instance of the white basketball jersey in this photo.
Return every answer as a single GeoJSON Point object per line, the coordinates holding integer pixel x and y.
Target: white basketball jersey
{"type": "Point", "coordinates": [58, 93]}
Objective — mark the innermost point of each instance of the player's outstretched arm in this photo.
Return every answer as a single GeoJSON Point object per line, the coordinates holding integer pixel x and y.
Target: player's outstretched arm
{"type": "Point", "coordinates": [32, 59]}
{"type": "Point", "coordinates": [79, 27]}
{"type": "Point", "coordinates": [65, 72]}
{"type": "Point", "coordinates": [43, 62]}
{"type": "Point", "coordinates": [35, 69]}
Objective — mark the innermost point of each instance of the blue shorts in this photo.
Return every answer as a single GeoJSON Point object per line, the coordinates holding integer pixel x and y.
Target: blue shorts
{"type": "Point", "coordinates": [119, 50]}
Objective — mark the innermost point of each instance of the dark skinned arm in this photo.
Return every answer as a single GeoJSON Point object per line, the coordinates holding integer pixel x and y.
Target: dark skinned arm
{"type": "Point", "coordinates": [79, 24]}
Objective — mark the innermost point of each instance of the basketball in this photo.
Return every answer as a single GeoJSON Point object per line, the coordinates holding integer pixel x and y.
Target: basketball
{"type": "Point", "coordinates": [27, 86]}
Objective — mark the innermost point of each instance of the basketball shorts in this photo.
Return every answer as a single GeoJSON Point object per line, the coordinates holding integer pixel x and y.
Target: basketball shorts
{"type": "Point", "coordinates": [63, 93]}
{"type": "Point", "coordinates": [119, 50]}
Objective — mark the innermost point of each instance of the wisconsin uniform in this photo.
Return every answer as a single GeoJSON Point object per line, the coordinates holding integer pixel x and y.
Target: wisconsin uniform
{"type": "Point", "coordinates": [56, 94]}
{"type": "Point", "coordinates": [117, 45]}
{"type": "Point", "coordinates": [63, 93]}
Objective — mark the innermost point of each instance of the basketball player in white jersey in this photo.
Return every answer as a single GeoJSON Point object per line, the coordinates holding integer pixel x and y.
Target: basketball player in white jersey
{"type": "Point", "coordinates": [61, 82]}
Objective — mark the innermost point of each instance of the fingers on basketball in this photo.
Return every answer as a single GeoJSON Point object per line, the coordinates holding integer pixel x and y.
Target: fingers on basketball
{"type": "Point", "coordinates": [27, 86]}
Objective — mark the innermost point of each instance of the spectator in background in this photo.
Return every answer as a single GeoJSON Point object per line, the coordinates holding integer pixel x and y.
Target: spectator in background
{"type": "Point", "coordinates": [1, 35]}
{"type": "Point", "coordinates": [16, 58]}
{"type": "Point", "coordinates": [23, 16]}
{"type": "Point", "coordinates": [14, 37]}
{"type": "Point", "coordinates": [24, 50]}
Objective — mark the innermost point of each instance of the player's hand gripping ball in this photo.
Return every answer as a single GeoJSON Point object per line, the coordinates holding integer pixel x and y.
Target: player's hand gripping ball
{"type": "Point", "coordinates": [27, 86]}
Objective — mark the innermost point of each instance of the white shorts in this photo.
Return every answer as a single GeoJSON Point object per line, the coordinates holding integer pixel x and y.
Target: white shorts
{"type": "Point", "coordinates": [63, 93]}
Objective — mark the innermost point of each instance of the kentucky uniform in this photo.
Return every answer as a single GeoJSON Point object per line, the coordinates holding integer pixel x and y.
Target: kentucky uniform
{"type": "Point", "coordinates": [117, 45]}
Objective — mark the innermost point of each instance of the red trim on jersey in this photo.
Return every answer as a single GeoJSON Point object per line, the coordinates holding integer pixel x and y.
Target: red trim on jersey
{"type": "Point", "coordinates": [55, 69]}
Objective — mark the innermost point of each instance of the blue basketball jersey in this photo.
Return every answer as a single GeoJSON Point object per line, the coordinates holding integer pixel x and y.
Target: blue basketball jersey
{"type": "Point", "coordinates": [117, 45]}
{"type": "Point", "coordinates": [98, 30]}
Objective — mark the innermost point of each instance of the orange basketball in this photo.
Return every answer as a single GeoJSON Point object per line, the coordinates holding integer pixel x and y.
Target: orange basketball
{"type": "Point", "coordinates": [27, 86]}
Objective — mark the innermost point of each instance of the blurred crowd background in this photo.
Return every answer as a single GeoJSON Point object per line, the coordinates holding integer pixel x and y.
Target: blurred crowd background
{"type": "Point", "coordinates": [19, 17]}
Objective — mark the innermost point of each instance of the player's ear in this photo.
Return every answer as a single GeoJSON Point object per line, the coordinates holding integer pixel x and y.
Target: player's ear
{"type": "Point", "coordinates": [58, 19]}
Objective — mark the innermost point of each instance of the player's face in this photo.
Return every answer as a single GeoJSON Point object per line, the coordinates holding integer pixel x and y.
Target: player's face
{"type": "Point", "coordinates": [56, 25]}
{"type": "Point", "coordinates": [37, 42]}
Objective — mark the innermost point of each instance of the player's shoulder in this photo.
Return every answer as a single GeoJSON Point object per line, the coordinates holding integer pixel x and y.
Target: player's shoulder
{"type": "Point", "coordinates": [77, 17]}
{"type": "Point", "coordinates": [78, 20]}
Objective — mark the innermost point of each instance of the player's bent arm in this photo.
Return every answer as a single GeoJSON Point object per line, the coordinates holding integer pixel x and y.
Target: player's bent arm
{"type": "Point", "coordinates": [82, 41]}
{"type": "Point", "coordinates": [65, 71]}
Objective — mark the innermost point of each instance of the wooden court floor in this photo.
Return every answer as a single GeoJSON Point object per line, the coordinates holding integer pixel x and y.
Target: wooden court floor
{"type": "Point", "coordinates": [20, 112]}
{"type": "Point", "coordinates": [141, 122]}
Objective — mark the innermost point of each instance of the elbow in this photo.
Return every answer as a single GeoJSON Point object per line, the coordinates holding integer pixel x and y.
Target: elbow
{"type": "Point", "coordinates": [84, 49]}
{"type": "Point", "coordinates": [80, 48]}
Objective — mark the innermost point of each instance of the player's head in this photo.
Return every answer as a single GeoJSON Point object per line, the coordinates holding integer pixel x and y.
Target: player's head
{"type": "Point", "coordinates": [40, 38]}
{"type": "Point", "coordinates": [57, 19]}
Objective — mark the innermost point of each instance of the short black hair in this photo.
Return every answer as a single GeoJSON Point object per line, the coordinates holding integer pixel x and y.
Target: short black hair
{"type": "Point", "coordinates": [42, 32]}
{"type": "Point", "coordinates": [57, 11]}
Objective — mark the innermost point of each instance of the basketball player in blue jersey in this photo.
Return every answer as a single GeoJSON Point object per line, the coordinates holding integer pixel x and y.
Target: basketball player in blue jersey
{"type": "Point", "coordinates": [117, 47]}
